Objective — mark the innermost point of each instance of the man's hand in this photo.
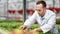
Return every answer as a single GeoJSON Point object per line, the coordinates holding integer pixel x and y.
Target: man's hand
{"type": "Point", "coordinates": [33, 31]}
{"type": "Point", "coordinates": [38, 29]}
{"type": "Point", "coordinates": [30, 32]}
{"type": "Point", "coordinates": [23, 27]}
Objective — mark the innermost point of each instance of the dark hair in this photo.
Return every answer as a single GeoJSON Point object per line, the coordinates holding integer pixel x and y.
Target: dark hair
{"type": "Point", "coordinates": [42, 2]}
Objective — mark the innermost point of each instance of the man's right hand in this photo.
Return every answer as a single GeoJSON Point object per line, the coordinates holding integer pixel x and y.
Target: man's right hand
{"type": "Point", "coordinates": [23, 27]}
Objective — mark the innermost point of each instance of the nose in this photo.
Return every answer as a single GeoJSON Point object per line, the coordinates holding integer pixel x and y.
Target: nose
{"type": "Point", "coordinates": [38, 12]}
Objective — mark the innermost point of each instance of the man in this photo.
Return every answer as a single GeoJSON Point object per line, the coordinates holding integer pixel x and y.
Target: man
{"type": "Point", "coordinates": [45, 18]}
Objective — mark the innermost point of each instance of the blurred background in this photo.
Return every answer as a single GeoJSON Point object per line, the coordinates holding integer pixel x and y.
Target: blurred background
{"type": "Point", "coordinates": [14, 12]}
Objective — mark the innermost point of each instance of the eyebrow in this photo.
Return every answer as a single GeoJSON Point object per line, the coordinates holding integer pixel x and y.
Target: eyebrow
{"type": "Point", "coordinates": [38, 9]}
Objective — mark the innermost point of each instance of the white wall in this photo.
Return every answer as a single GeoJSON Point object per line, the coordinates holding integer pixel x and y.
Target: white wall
{"type": "Point", "coordinates": [18, 4]}
{"type": "Point", "coordinates": [2, 7]}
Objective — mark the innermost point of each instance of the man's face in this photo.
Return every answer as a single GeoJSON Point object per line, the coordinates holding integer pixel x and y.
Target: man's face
{"type": "Point", "coordinates": [40, 9]}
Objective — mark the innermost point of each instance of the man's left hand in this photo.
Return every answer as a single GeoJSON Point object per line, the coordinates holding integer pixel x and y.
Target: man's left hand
{"type": "Point", "coordinates": [31, 31]}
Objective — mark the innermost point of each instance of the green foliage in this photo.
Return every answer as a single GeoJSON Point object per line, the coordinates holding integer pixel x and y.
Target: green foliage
{"type": "Point", "coordinates": [14, 24]}
{"type": "Point", "coordinates": [10, 26]}
{"type": "Point", "coordinates": [58, 20]}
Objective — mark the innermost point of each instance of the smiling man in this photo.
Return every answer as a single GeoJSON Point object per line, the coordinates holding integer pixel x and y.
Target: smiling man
{"type": "Point", "coordinates": [45, 18]}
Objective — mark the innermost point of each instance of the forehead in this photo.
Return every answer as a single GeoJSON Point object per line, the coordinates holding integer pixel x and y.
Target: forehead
{"type": "Point", "coordinates": [39, 6]}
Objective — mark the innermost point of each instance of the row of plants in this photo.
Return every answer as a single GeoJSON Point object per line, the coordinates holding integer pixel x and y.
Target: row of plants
{"type": "Point", "coordinates": [58, 21]}
{"type": "Point", "coordinates": [11, 24]}
{"type": "Point", "coordinates": [15, 20]}
{"type": "Point", "coordinates": [14, 25]}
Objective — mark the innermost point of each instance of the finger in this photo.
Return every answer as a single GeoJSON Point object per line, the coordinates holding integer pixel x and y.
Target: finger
{"type": "Point", "coordinates": [21, 27]}
{"type": "Point", "coordinates": [30, 32]}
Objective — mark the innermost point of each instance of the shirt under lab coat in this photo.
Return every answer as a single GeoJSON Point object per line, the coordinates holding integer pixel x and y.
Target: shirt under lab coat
{"type": "Point", "coordinates": [46, 23]}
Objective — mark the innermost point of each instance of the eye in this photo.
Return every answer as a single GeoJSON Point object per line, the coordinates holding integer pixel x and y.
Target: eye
{"type": "Point", "coordinates": [38, 10]}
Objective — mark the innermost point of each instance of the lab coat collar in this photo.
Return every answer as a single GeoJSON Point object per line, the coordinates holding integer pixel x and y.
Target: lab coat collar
{"type": "Point", "coordinates": [45, 15]}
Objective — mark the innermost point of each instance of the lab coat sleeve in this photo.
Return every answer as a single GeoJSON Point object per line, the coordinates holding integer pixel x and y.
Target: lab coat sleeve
{"type": "Point", "coordinates": [30, 20]}
{"type": "Point", "coordinates": [51, 22]}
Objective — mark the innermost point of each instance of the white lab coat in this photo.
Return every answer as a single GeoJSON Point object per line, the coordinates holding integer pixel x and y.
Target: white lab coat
{"type": "Point", "coordinates": [46, 24]}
